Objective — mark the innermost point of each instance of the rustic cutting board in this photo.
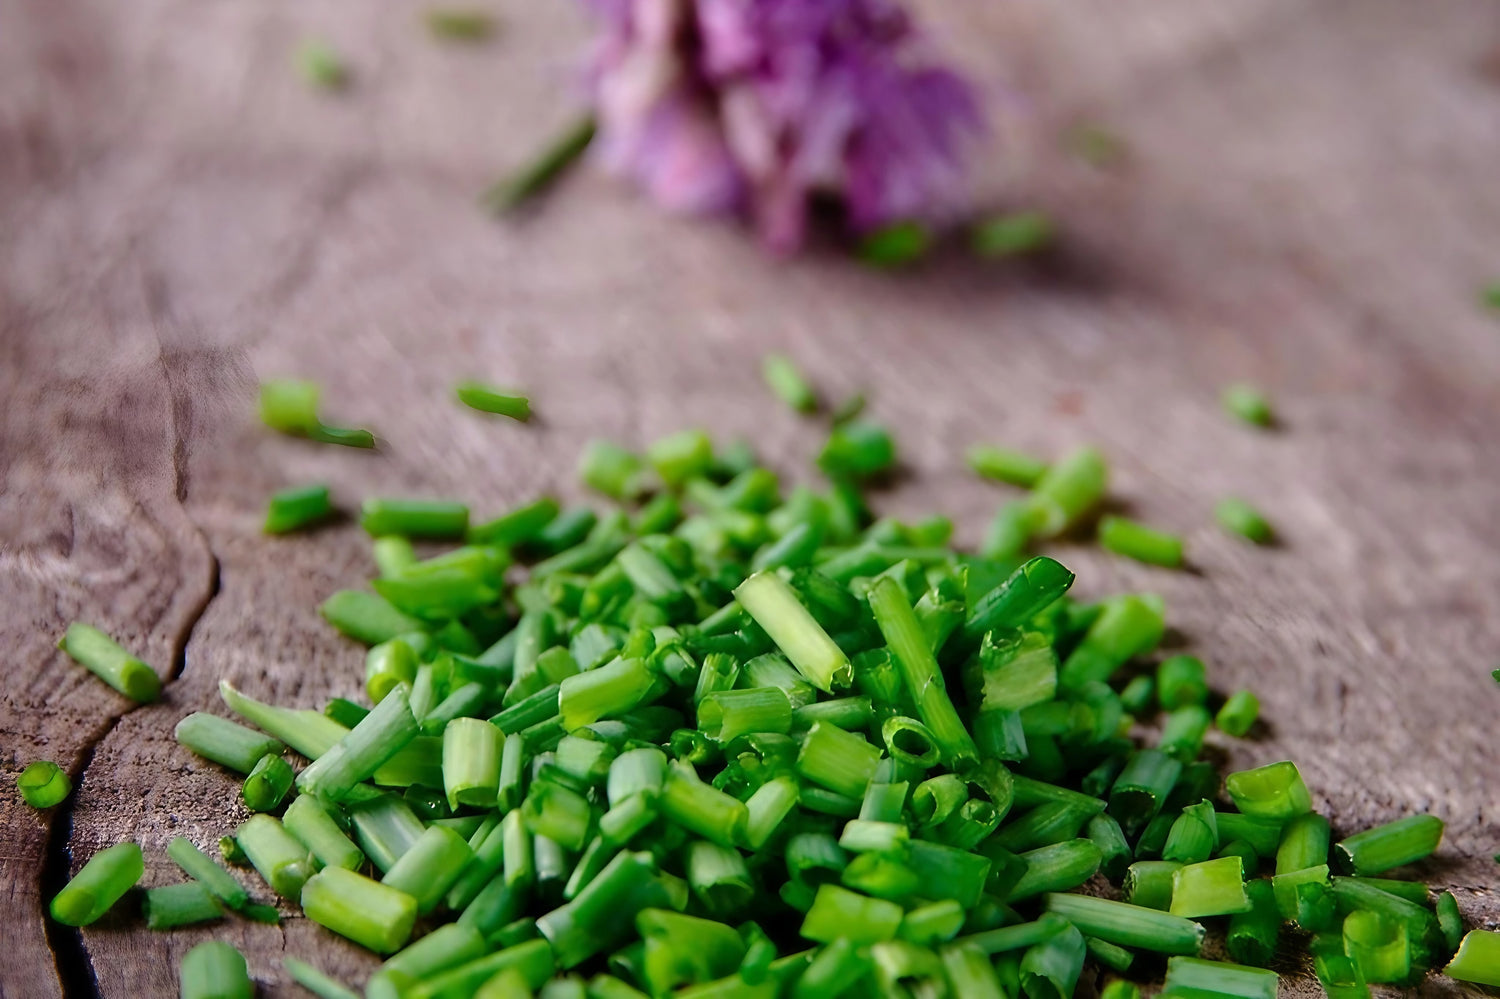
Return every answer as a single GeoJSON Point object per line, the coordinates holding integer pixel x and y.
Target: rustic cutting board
{"type": "Point", "coordinates": [1309, 202]}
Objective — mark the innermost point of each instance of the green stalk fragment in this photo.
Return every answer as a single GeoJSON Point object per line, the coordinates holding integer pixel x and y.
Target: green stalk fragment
{"type": "Point", "coordinates": [215, 970]}
{"type": "Point", "coordinates": [43, 784]}
{"type": "Point", "coordinates": [1478, 958]}
{"type": "Point", "coordinates": [311, 825]}
{"type": "Point", "coordinates": [1449, 920]}
{"type": "Point", "coordinates": [225, 742]}
{"type": "Point", "coordinates": [1006, 465]}
{"type": "Point", "coordinates": [1120, 989]}
{"type": "Point", "coordinates": [275, 854]}
{"type": "Point", "coordinates": [919, 669]}
{"type": "Point", "coordinates": [98, 885]}
{"type": "Point", "coordinates": [856, 450]}
{"type": "Point", "coordinates": [1194, 835]}
{"type": "Point", "coordinates": [1050, 970]}
{"type": "Point", "coordinates": [1148, 883]}
{"type": "Point", "coordinates": [1211, 888]}
{"type": "Point", "coordinates": [1378, 946]}
{"type": "Point", "coordinates": [1137, 541]}
{"type": "Point", "coordinates": [773, 604]}
{"type": "Point", "coordinates": [1142, 788]}
{"type": "Point", "coordinates": [834, 971]}
{"type": "Point", "coordinates": [293, 509]}
{"type": "Point", "coordinates": [1128, 925]}
{"type": "Point", "coordinates": [1274, 792]}
{"type": "Point", "coordinates": [767, 808]}
{"type": "Point", "coordinates": [471, 762]}
{"type": "Point", "coordinates": [1238, 714]}
{"type": "Point", "coordinates": [606, 692]}
{"type": "Point", "coordinates": [1238, 517]}
{"type": "Point", "coordinates": [367, 617]}
{"type": "Point", "coordinates": [378, 737]}
{"type": "Point", "coordinates": [183, 904]}
{"type": "Point", "coordinates": [701, 808]}
{"type": "Point", "coordinates": [540, 173]}
{"type": "Point", "coordinates": [1304, 844]}
{"type": "Point", "coordinates": [1069, 491]}
{"type": "Point", "coordinates": [1109, 955]}
{"type": "Point", "coordinates": [267, 784]}
{"type": "Point", "coordinates": [371, 914]}
{"type": "Point", "coordinates": [487, 399]}
{"type": "Point", "coordinates": [1181, 681]}
{"type": "Point", "coordinates": [1056, 868]}
{"type": "Point", "coordinates": [839, 913]}
{"type": "Point", "coordinates": [1403, 841]}
{"type": "Point", "coordinates": [1129, 626]}
{"type": "Point", "coordinates": [437, 520]}
{"type": "Point", "coordinates": [1253, 933]}
{"type": "Point", "coordinates": [1189, 975]}
{"type": "Point", "coordinates": [102, 656]}
{"type": "Point", "coordinates": [840, 761]}
{"type": "Point", "coordinates": [786, 381]}
{"type": "Point", "coordinates": [1014, 235]}
{"type": "Point", "coordinates": [726, 715]}
{"type": "Point", "coordinates": [315, 981]}
{"type": "Point", "coordinates": [1248, 404]}
{"type": "Point", "coordinates": [202, 869]}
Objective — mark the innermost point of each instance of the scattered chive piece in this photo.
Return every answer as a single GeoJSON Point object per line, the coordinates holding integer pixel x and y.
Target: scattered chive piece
{"type": "Point", "coordinates": [1478, 958]}
{"type": "Point", "coordinates": [275, 854]}
{"type": "Point", "coordinates": [1014, 235]}
{"type": "Point", "coordinates": [1139, 542]}
{"type": "Point", "coordinates": [1128, 925]}
{"type": "Point", "coordinates": [1193, 976]}
{"type": "Point", "coordinates": [771, 601]}
{"type": "Point", "coordinates": [1006, 465]}
{"type": "Point", "coordinates": [102, 656]}
{"type": "Point", "coordinates": [202, 869]}
{"type": "Point", "coordinates": [1449, 920]}
{"type": "Point", "coordinates": [1274, 791]}
{"type": "Point", "coordinates": [1253, 933]}
{"type": "Point", "coordinates": [895, 245]}
{"type": "Point", "coordinates": [542, 172]}
{"type": "Point", "coordinates": [183, 904]}
{"type": "Point", "coordinates": [1238, 517]}
{"type": "Point", "coordinates": [98, 885]}
{"type": "Point", "coordinates": [1211, 888]}
{"type": "Point", "coordinates": [1248, 404]}
{"type": "Point", "coordinates": [485, 399]}
{"type": "Point", "coordinates": [290, 406]}
{"type": "Point", "coordinates": [1377, 945]}
{"type": "Point", "coordinates": [1238, 713]}
{"type": "Point", "coordinates": [454, 24]}
{"type": "Point", "coordinates": [839, 913]}
{"type": "Point", "coordinates": [43, 784]}
{"type": "Point", "coordinates": [857, 449]}
{"type": "Point", "coordinates": [321, 66]}
{"type": "Point", "coordinates": [296, 508]}
{"type": "Point", "coordinates": [1403, 841]}
{"type": "Point", "coordinates": [374, 915]}
{"type": "Point", "coordinates": [1069, 491]}
{"type": "Point", "coordinates": [1491, 296]}
{"type": "Point", "coordinates": [437, 520]}
{"type": "Point", "coordinates": [786, 381]}
{"type": "Point", "coordinates": [315, 981]}
{"type": "Point", "coordinates": [215, 970]}
{"type": "Point", "coordinates": [267, 784]}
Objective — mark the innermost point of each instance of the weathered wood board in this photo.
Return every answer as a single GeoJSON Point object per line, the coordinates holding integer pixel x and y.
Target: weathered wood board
{"type": "Point", "coordinates": [1310, 203]}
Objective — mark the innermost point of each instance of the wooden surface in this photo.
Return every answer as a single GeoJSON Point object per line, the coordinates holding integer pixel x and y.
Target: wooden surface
{"type": "Point", "coordinates": [1310, 203]}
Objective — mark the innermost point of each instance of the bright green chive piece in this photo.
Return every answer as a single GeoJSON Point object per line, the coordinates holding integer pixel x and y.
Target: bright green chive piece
{"type": "Point", "coordinates": [1238, 713]}
{"type": "Point", "coordinates": [857, 449]}
{"type": "Point", "coordinates": [1490, 296]}
{"type": "Point", "coordinates": [909, 741]}
{"type": "Point", "coordinates": [1054, 868]}
{"type": "Point", "coordinates": [835, 970]}
{"type": "Point", "coordinates": [559, 813]}
{"type": "Point", "coordinates": [1006, 465]}
{"type": "Point", "coordinates": [1182, 732]}
{"type": "Point", "coordinates": [919, 669]}
{"type": "Point", "coordinates": [371, 914]}
{"type": "Point", "coordinates": [1263, 835]}
{"type": "Point", "coordinates": [1051, 969]}
{"type": "Point", "coordinates": [608, 468]}
{"type": "Point", "coordinates": [1274, 791]}
{"type": "Point", "coordinates": [1142, 787]}
{"type": "Point", "coordinates": [1128, 626]}
{"type": "Point", "coordinates": [1304, 844]}
{"type": "Point", "coordinates": [702, 808]}
{"type": "Point", "coordinates": [1069, 491]}
{"type": "Point", "coordinates": [1190, 976]}
{"type": "Point", "coordinates": [773, 604]}
{"type": "Point", "coordinates": [1377, 945]}
{"type": "Point", "coordinates": [388, 665]}
{"type": "Point", "coordinates": [895, 245]}
{"type": "Point", "coordinates": [1193, 836]}
{"type": "Point", "coordinates": [430, 867]}
{"type": "Point", "coordinates": [1149, 883]}
{"type": "Point", "coordinates": [438, 520]}
{"type": "Point", "coordinates": [198, 866]}
{"type": "Point", "coordinates": [838, 760]}
{"type": "Point", "coordinates": [315, 981]}
{"type": "Point", "coordinates": [215, 970]}
{"type": "Point", "coordinates": [933, 923]}
{"type": "Point", "coordinates": [444, 948]}
{"type": "Point", "coordinates": [726, 715]}
{"type": "Point", "coordinates": [837, 912]}
{"type": "Point", "coordinates": [1016, 937]}
{"type": "Point", "coordinates": [275, 854]}
{"type": "Point", "coordinates": [43, 784]}
{"type": "Point", "coordinates": [321, 67]}
{"type": "Point", "coordinates": [471, 762]}
{"type": "Point", "coordinates": [1128, 925]}
{"type": "Point", "coordinates": [267, 784]}
{"type": "Point", "coordinates": [541, 172]}
{"type": "Point", "coordinates": [378, 737]}
{"type": "Point", "coordinates": [225, 742]}
{"type": "Point", "coordinates": [1248, 404]}
{"type": "Point", "coordinates": [311, 825]}
{"type": "Point", "coordinates": [1120, 989]}
{"type": "Point", "coordinates": [1137, 541]}
{"type": "Point", "coordinates": [1238, 517]}
{"type": "Point", "coordinates": [1339, 976]}
{"type": "Point", "coordinates": [486, 399]}
{"type": "Point", "coordinates": [685, 455]}
{"type": "Point", "coordinates": [719, 878]}
{"type": "Point", "coordinates": [102, 656]}
{"type": "Point", "coordinates": [765, 810]}
{"type": "Point", "coordinates": [1478, 958]}
{"type": "Point", "coordinates": [1403, 841]}
{"type": "Point", "coordinates": [1252, 934]}
{"type": "Point", "coordinates": [296, 508]}
{"type": "Point", "coordinates": [365, 617]}
{"type": "Point", "coordinates": [516, 527]}
{"type": "Point", "coordinates": [1027, 590]}
{"type": "Point", "coordinates": [1180, 681]}
{"type": "Point", "coordinates": [183, 904]}
{"type": "Point", "coordinates": [1450, 922]}
{"type": "Point", "coordinates": [1009, 532]}
{"type": "Point", "coordinates": [290, 406]}
{"type": "Point", "coordinates": [606, 692]}
{"type": "Point", "coordinates": [1212, 888]}
{"type": "Point", "coordinates": [1109, 955]}
{"type": "Point", "coordinates": [784, 379]}
{"type": "Point", "coordinates": [98, 885]}
{"type": "Point", "coordinates": [1287, 885]}
{"type": "Point", "coordinates": [1015, 235]}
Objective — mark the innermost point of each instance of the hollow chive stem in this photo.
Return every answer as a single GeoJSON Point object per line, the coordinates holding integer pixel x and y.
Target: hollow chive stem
{"type": "Point", "coordinates": [1252, 934]}
{"type": "Point", "coordinates": [445, 947]}
{"type": "Point", "coordinates": [919, 669]}
{"type": "Point", "coordinates": [1403, 841]}
{"type": "Point", "coordinates": [1052, 968]}
{"type": "Point", "coordinates": [719, 878]}
{"type": "Point", "coordinates": [1248, 404]}
{"type": "Point", "coordinates": [275, 854]}
{"type": "Point", "coordinates": [1377, 945]}
{"type": "Point", "coordinates": [612, 470]}
{"type": "Point", "coordinates": [606, 692]}
{"type": "Point", "coordinates": [558, 812]}
{"type": "Point", "coordinates": [1240, 518]}
{"type": "Point", "coordinates": [1478, 958]}
{"type": "Point", "coordinates": [773, 604]}
{"type": "Point", "coordinates": [838, 760]}
{"type": "Point", "coordinates": [1069, 490]}
{"type": "Point", "coordinates": [516, 527]}
{"type": "Point", "coordinates": [215, 970]}
{"type": "Point", "coordinates": [319, 984]}
{"type": "Point", "coordinates": [1195, 976]}
{"type": "Point", "coordinates": [427, 870]}
{"type": "Point", "coordinates": [488, 399]}
{"type": "Point", "coordinates": [1142, 787]}
{"type": "Point", "coordinates": [102, 656]}
{"type": "Point", "coordinates": [1263, 835]}
{"type": "Point", "coordinates": [202, 869]}
{"type": "Point", "coordinates": [541, 172]}
{"type": "Point", "coordinates": [379, 736]}
{"type": "Point", "coordinates": [1193, 836]}
{"type": "Point", "coordinates": [371, 914]}
{"type": "Point", "coordinates": [1018, 937]}
{"type": "Point", "coordinates": [293, 509]}
{"type": "Point", "coordinates": [311, 825]}
{"type": "Point", "coordinates": [1148, 883]}
{"type": "Point", "coordinates": [1211, 888]}
{"type": "Point", "coordinates": [1181, 681]}
{"type": "Point", "coordinates": [438, 520]}
{"type": "Point", "coordinates": [1005, 465]}
{"type": "Point", "coordinates": [1182, 732]}
{"type": "Point", "coordinates": [185, 904]}
{"type": "Point", "coordinates": [1238, 714]}
{"type": "Point", "coordinates": [837, 912]}
{"type": "Point", "coordinates": [1128, 925]}
{"type": "Point", "coordinates": [1274, 792]}
{"type": "Point", "coordinates": [1304, 844]}
{"type": "Point", "coordinates": [1058, 867]}
{"type": "Point", "coordinates": [726, 715]}
{"type": "Point", "coordinates": [857, 450]}
{"type": "Point", "coordinates": [787, 383]}
{"type": "Point", "coordinates": [471, 762]}
{"type": "Point", "coordinates": [767, 808]}
{"type": "Point", "coordinates": [834, 970]}
{"type": "Point", "coordinates": [702, 808]}
{"type": "Point", "coordinates": [98, 885]}
{"type": "Point", "coordinates": [1042, 826]}
{"type": "Point", "coordinates": [367, 617]}
{"type": "Point", "coordinates": [267, 784]}
{"type": "Point", "coordinates": [43, 784]}
{"type": "Point", "coordinates": [1128, 626]}
{"type": "Point", "coordinates": [1136, 541]}
{"type": "Point", "coordinates": [225, 742]}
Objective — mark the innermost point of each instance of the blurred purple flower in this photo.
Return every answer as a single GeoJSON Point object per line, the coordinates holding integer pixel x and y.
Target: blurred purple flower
{"type": "Point", "coordinates": [757, 105]}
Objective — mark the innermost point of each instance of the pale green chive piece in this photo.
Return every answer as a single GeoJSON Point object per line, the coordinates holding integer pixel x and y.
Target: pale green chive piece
{"type": "Point", "coordinates": [1006, 465]}
{"type": "Point", "coordinates": [1238, 713]}
{"type": "Point", "coordinates": [773, 604]}
{"type": "Point", "coordinates": [1212, 888]}
{"type": "Point", "coordinates": [458, 24]}
{"type": "Point", "coordinates": [786, 381]}
{"type": "Point", "coordinates": [215, 970]}
{"type": "Point", "coordinates": [1478, 958]}
{"type": "Point", "coordinates": [201, 868]}
{"type": "Point", "coordinates": [315, 981]}
{"type": "Point", "coordinates": [1017, 234]}
{"type": "Point", "coordinates": [1069, 491]}
{"type": "Point", "coordinates": [296, 508]}
{"type": "Point", "coordinates": [371, 914]}
{"type": "Point", "coordinates": [1274, 791]}
{"type": "Point", "coordinates": [321, 66]}
{"type": "Point", "coordinates": [1238, 517]}
{"type": "Point", "coordinates": [102, 656]}
{"type": "Point", "coordinates": [487, 399]}
{"type": "Point", "coordinates": [98, 885]}
{"type": "Point", "coordinates": [183, 904]}
{"type": "Point", "coordinates": [1137, 541]}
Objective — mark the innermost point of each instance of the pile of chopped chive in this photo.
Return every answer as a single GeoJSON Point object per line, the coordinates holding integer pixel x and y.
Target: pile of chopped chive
{"type": "Point", "coordinates": [735, 744]}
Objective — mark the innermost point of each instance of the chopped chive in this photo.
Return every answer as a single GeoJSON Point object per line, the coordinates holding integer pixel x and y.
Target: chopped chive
{"type": "Point", "coordinates": [471, 762]}
{"type": "Point", "coordinates": [1181, 681]}
{"type": "Point", "coordinates": [726, 715]}
{"type": "Point", "coordinates": [610, 469]}
{"type": "Point", "coordinates": [487, 399]}
{"type": "Point", "coordinates": [1052, 968]}
{"type": "Point", "coordinates": [98, 885]}
{"type": "Point", "coordinates": [1182, 732]}
{"type": "Point", "coordinates": [605, 692]}
{"type": "Point", "coordinates": [202, 869]}
{"type": "Point", "coordinates": [1478, 958]}
{"type": "Point", "coordinates": [438, 520]}
{"type": "Point", "coordinates": [1304, 844]}
{"type": "Point", "coordinates": [1128, 626]}
{"type": "Point", "coordinates": [856, 450]}
{"type": "Point", "coordinates": [701, 808]}
{"type": "Point", "coordinates": [1107, 835]}
{"type": "Point", "coordinates": [1193, 836]}
{"type": "Point", "coordinates": [315, 981]}
{"type": "Point", "coordinates": [543, 171]}
{"type": "Point", "coordinates": [1148, 883]}
{"type": "Point", "coordinates": [393, 554]}
{"type": "Point", "coordinates": [1010, 531]}
{"type": "Point", "coordinates": [839, 913]}
{"type": "Point", "coordinates": [1449, 920]}
{"type": "Point", "coordinates": [1017, 937]}
{"type": "Point", "coordinates": [1142, 787]}
{"type": "Point", "coordinates": [267, 784]}
{"type": "Point", "coordinates": [1014, 235]}
{"type": "Point", "coordinates": [1006, 465]}
{"type": "Point", "coordinates": [1274, 791]}
{"type": "Point", "coordinates": [895, 245]}
{"type": "Point", "coordinates": [183, 904]}
{"type": "Point", "coordinates": [1109, 955]}
{"type": "Point", "coordinates": [719, 878]}
{"type": "Point", "coordinates": [1137, 696]}
{"type": "Point", "coordinates": [838, 760]}
{"type": "Point", "coordinates": [290, 406]}
{"type": "Point", "coordinates": [1190, 975]}
{"type": "Point", "coordinates": [786, 381]}
{"type": "Point", "coordinates": [1128, 925]}
{"type": "Point", "coordinates": [685, 455]}
{"type": "Point", "coordinates": [1238, 713]}
{"type": "Point", "coordinates": [1403, 841]}
{"type": "Point", "coordinates": [275, 854]}
{"type": "Point", "coordinates": [371, 914]}
{"type": "Point", "coordinates": [323, 68]}
{"type": "Point", "coordinates": [1252, 934]}
{"type": "Point", "coordinates": [1211, 888]}
{"type": "Point", "coordinates": [834, 970]}
{"type": "Point", "coordinates": [767, 808]}
{"type": "Point", "coordinates": [1377, 945]}
{"type": "Point", "coordinates": [311, 825]}
{"type": "Point", "coordinates": [559, 813]}
{"type": "Point", "coordinates": [43, 784]}
{"type": "Point", "coordinates": [366, 617]}
{"type": "Point", "coordinates": [1238, 517]}
{"type": "Point", "coordinates": [1137, 541]}
{"type": "Point", "coordinates": [1069, 491]}
{"type": "Point", "coordinates": [345, 711]}
{"type": "Point", "coordinates": [1054, 868]}
{"type": "Point", "coordinates": [102, 656]}
{"type": "Point", "coordinates": [446, 947]}
{"type": "Point", "coordinates": [296, 508]}
{"type": "Point", "coordinates": [1264, 835]}
{"type": "Point", "coordinates": [375, 740]}
{"type": "Point", "coordinates": [1119, 988]}
{"type": "Point", "coordinates": [1287, 885]}
{"type": "Point", "coordinates": [1248, 404]}
{"type": "Point", "coordinates": [215, 970]}
{"type": "Point", "coordinates": [773, 604]}
{"type": "Point", "coordinates": [919, 669]}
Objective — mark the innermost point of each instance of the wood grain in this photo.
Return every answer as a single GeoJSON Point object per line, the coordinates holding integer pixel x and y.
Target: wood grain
{"type": "Point", "coordinates": [1309, 203]}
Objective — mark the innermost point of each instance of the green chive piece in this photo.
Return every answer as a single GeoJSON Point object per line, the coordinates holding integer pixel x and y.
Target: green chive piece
{"type": "Point", "coordinates": [444, 948]}
{"type": "Point", "coordinates": [606, 692]}
{"type": "Point", "coordinates": [1449, 920]}
{"type": "Point", "coordinates": [1248, 404]}
{"type": "Point", "coordinates": [1304, 844]}
{"type": "Point", "coordinates": [1264, 835]}
{"type": "Point", "coordinates": [102, 656]}
{"type": "Point", "coordinates": [1148, 883]}
{"type": "Point", "coordinates": [315, 981]}
{"type": "Point", "coordinates": [773, 604]}
{"type": "Point", "coordinates": [701, 808]}
{"type": "Point", "coordinates": [685, 455]}
{"type": "Point", "coordinates": [1238, 517]}
{"type": "Point", "coordinates": [267, 784]}
{"type": "Point", "coordinates": [275, 854]}
{"type": "Point", "coordinates": [897, 245]}
{"type": "Point", "coordinates": [719, 878]}
{"type": "Point", "coordinates": [290, 406]}
{"type": "Point", "coordinates": [1127, 627]}
{"type": "Point", "coordinates": [786, 381]}
{"type": "Point", "coordinates": [546, 169]}
{"type": "Point", "coordinates": [311, 825]}
{"type": "Point", "coordinates": [1193, 836]}
{"type": "Point", "coordinates": [1286, 887]}
{"type": "Point", "coordinates": [837, 912]}
{"type": "Point", "coordinates": [1018, 234]}
{"type": "Point", "coordinates": [1054, 868]}
{"type": "Point", "coordinates": [1128, 925]}
{"type": "Point", "coordinates": [934, 923]}
{"type": "Point", "coordinates": [98, 885]}
{"type": "Point", "coordinates": [225, 742]}
{"type": "Point", "coordinates": [1274, 791]}
{"type": "Point", "coordinates": [1211, 888]}
{"type": "Point", "coordinates": [374, 915]}
{"type": "Point", "coordinates": [1069, 491]}
{"type": "Point", "coordinates": [1377, 945]}
{"type": "Point", "coordinates": [835, 969]}
{"type": "Point", "coordinates": [726, 715]}
{"type": "Point", "coordinates": [1137, 541]}
{"type": "Point", "coordinates": [471, 762]}
{"type": "Point", "coordinates": [366, 618]}
{"type": "Point", "coordinates": [838, 760]}
{"type": "Point", "coordinates": [856, 450]}
{"type": "Point", "coordinates": [1109, 955]}
{"type": "Point", "coordinates": [1238, 713]}
{"type": "Point", "coordinates": [1119, 988]}
{"type": "Point", "coordinates": [43, 784]}
{"type": "Point", "coordinates": [1182, 732]}
{"type": "Point", "coordinates": [367, 746]}
{"type": "Point", "coordinates": [1180, 681]}
{"type": "Point", "coordinates": [487, 399]}
{"type": "Point", "coordinates": [1009, 532]}
{"type": "Point", "coordinates": [215, 970]}
{"type": "Point", "coordinates": [1190, 976]}
{"type": "Point", "coordinates": [1006, 465]}
{"type": "Point", "coordinates": [1017, 937]}
{"type": "Point", "coordinates": [767, 808]}
{"type": "Point", "coordinates": [1052, 968]}
{"type": "Point", "coordinates": [1478, 958]}
{"type": "Point", "coordinates": [183, 904]}
{"type": "Point", "coordinates": [1252, 934]}
{"type": "Point", "coordinates": [202, 869]}
{"type": "Point", "coordinates": [919, 669]}
{"type": "Point", "coordinates": [321, 67]}
{"type": "Point", "coordinates": [293, 509]}
{"type": "Point", "coordinates": [516, 527]}
{"type": "Point", "coordinates": [438, 520]}
{"type": "Point", "coordinates": [1403, 841]}
{"type": "Point", "coordinates": [1142, 788]}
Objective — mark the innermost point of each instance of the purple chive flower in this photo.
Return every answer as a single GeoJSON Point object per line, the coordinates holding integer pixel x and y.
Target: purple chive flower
{"type": "Point", "coordinates": [756, 106]}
